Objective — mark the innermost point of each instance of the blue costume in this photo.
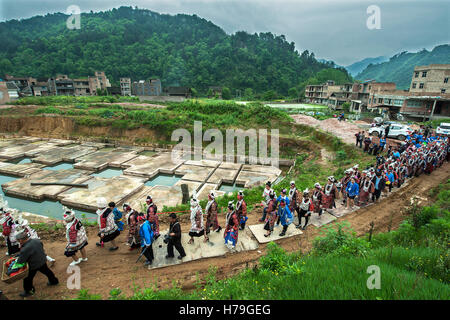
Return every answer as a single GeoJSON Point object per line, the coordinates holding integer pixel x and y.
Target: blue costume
{"type": "Point", "coordinates": [352, 189]}
{"type": "Point", "coordinates": [285, 215]}
{"type": "Point", "coordinates": [286, 218]}
{"type": "Point", "coordinates": [118, 219]}
{"type": "Point", "coordinates": [285, 199]}
{"type": "Point", "coordinates": [146, 234]}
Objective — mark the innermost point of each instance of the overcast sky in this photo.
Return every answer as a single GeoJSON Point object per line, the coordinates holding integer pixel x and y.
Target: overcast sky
{"type": "Point", "coordinates": [332, 29]}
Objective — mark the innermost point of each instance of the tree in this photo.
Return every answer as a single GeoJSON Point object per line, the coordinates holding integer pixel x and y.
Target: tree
{"type": "Point", "coordinates": [180, 50]}
{"type": "Point", "coordinates": [293, 93]}
{"type": "Point", "coordinates": [346, 106]}
{"type": "Point", "coordinates": [270, 95]}
{"type": "Point", "coordinates": [226, 93]}
{"type": "Point", "coordinates": [248, 94]}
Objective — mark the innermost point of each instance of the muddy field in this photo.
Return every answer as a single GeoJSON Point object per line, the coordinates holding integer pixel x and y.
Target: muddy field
{"type": "Point", "coordinates": [106, 270]}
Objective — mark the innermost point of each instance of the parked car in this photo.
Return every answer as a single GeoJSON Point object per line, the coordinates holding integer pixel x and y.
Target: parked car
{"type": "Point", "coordinates": [396, 131]}
{"type": "Point", "coordinates": [444, 128]}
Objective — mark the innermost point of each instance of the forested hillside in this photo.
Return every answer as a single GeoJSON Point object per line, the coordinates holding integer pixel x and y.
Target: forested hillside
{"type": "Point", "coordinates": [400, 67]}
{"type": "Point", "coordinates": [359, 66]}
{"type": "Point", "coordinates": [180, 50]}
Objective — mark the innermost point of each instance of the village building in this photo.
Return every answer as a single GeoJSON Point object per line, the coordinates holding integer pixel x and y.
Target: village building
{"type": "Point", "coordinates": [81, 87]}
{"type": "Point", "coordinates": [125, 86]}
{"type": "Point", "coordinates": [431, 78]}
{"type": "Point", "coordinates": [150, 87]}
{"type": "Point", "coordinates": [185, 92]}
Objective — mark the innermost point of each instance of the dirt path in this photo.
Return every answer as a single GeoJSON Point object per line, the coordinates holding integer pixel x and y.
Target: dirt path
{"type": "Point", "coordinates": [342, 129]}
{"type": "Point", "coordinates": [105, 270]}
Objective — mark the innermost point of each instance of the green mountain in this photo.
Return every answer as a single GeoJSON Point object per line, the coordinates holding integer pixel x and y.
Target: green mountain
{"type": "Point", "coordinates": [359, 66]}
{"type": "Point", "coordinates": [181, 50]}
{"type": "Point", "coordinates": [400, 67]}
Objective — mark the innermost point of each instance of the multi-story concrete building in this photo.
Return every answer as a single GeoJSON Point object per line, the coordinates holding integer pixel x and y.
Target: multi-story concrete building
{"type": "Point", "coordinates": [98, 82]}
{"type": "Point", "coordinates": [151, 87]}
{"type": "Point", "coordinates": [428, 97]}
{"type": "Point", "coordinates": [329, 93]}
{"type": "Point", "coordinates": [411, 105]}
{"type": "Point", "coordinates": [41, 87]}
{"type": "Point", "coordinates": [24, 84]}
{"type": "Point", "coordinates": [432, 78]}
{"type": "Point", "coordinates": [82, 87]}
{"type": "Point", "coordinates": [318, 93]}
{"type": "Point", "coordinates": [125, 86]}
{"type": "Point", "coordinates": [61, 85]}
{"type": "Point", "coordinates": [361, 93]}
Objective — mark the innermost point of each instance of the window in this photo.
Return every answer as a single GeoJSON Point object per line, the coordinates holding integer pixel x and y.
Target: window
{"type": "Point", "coordinates": [442, 90]}
{"type": "Point", "coordinates": [414, 85]}
{"type": "Point", "coordinates": [380, 100]}
{"type": "Point", "coordinates": [421, 86]}
{"type": "Point", "coordinates": [445, 80]}
{"type": "Point", "coordinates": [416, 75]}
{"type": "Point", "coordinates": [414, 104]}
{"type": "Point", "coordinates": [424, 74]}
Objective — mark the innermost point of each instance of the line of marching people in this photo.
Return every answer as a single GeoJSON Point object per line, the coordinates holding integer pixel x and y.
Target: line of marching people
{"type": "Point", "coordinates": [356, 187]}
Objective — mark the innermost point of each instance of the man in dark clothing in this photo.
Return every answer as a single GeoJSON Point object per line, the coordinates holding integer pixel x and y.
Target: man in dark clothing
{"type": "Point", "coordinates": [375, 149]}
{"type": "Point", "coordinates": [379, 183]}
{"type": "Point", "coordinates": [32, 252]}
{"type": "Point", "coordinates": [357, 135]}
{"type": "Point", "coordinates": [367, 142]}
{"type": "Point", "coordinates": [174, 238]}
{"type": "Point", "coordinates": [361, 139]}
{"type": "Point", "coordinates": [386, 130]}
{"type": "Point", "coordinates": [427, 132]}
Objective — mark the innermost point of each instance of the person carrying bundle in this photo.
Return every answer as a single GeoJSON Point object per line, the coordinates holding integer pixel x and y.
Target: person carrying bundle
{"type": "Point", "coordinates": [117, 215]}
{"type": "Point", "coordinates": [32, 252]}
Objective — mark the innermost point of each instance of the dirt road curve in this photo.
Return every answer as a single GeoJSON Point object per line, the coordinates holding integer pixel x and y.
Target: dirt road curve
{"type": "Point", "coordinates": [342, 129]}
{"type": "Point", "coordinates": [106, 270]}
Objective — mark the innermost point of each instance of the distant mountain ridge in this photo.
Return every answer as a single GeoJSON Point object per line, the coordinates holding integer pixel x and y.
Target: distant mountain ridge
{"type": "Point", "coordinates": [400, 67]}
{"type": "Point", "coordinates": [359, 66]}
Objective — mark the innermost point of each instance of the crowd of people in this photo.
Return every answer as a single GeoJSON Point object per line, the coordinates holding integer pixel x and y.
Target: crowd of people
{"type": "Point", "coordinates": [142, 231]}
{"type": "Point", "coordinates": [419, 154]}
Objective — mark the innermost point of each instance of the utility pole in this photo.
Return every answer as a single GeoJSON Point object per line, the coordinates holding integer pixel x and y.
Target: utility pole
{"type": "Point", "coordinates": [432, 110]}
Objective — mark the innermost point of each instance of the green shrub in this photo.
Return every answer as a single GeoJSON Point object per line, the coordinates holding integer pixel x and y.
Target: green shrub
{"type": "Point", "coordinates": [340, 240]}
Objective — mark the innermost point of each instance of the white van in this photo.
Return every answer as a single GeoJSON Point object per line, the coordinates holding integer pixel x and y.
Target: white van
{"type": "Point", "coordinates": [444, 128]}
